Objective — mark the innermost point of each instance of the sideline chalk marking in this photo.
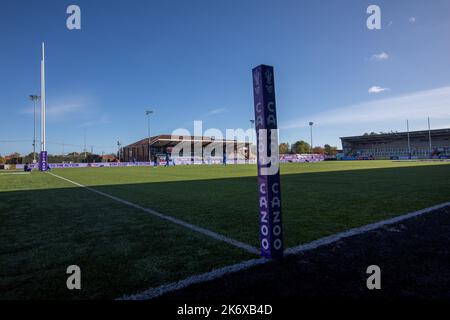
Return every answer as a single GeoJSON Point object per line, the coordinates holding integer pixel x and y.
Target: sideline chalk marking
{"type": "Point", "coordinates": [192, 227]}
{"type": "Point", "coordinates": [218, 273]}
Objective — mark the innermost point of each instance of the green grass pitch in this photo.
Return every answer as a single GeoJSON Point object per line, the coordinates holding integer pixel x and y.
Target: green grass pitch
{"type": "Point", "coordinates": [47, 224]}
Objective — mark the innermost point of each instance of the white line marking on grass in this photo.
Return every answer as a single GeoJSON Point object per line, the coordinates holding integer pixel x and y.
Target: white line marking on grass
{"type": "Point", "coordinates": [218, 273]}
{"type": "Point", "coordinates": [215, 274]}
{"type": "Point", "coordinates": [192, 227]}
{"type": "Point", "coordinates": [359, 230]}
{"type": "Point", "coordinates": [4, 174]}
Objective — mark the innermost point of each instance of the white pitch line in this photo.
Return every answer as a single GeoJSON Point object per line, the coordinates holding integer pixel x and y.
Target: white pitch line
{"type": "Point", "coordinates": [218, 273]}
{"type": "Point", "coordinates": [192, 227]}
{"type": "Point", "coordinates": [363, 229]}
{"type": "Point", "coordinates": [4, 174]}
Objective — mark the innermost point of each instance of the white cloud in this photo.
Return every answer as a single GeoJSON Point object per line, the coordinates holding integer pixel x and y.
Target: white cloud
{"type": "Point", "coordinates": [59, 111]}
{"type": "Point", "coordinates": [380, 56]}
{"type": "Point", "coordinates": [104, 119]}
{"type": "Point", "coordinates": [412, 19]}
{"type": "Point", "coordinates": [414, 106]}
{"type": "Point", "coordinates": [377, 89]}
{"type": "Point", "coordinates": [55, 111]}
{"type": "Point", "coordinates": [63, 107]}
{"type": "Point", "coordinates": [216, 111]}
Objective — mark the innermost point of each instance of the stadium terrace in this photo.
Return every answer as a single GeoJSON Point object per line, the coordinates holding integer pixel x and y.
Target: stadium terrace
{"type": "Point", "coordinates": [399, 145]}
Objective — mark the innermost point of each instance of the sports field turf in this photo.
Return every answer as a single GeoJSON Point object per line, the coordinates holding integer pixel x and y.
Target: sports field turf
{"type": "Point", "coordinates": [47, 224]}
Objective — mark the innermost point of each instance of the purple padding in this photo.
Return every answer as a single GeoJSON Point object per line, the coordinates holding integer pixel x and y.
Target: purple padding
{"type": "Point", "coordinates": [269, 188]}
{"type": "Point", "coordinates": [43, 161]}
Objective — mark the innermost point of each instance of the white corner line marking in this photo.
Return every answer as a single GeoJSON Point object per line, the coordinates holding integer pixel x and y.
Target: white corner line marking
{"type": "Point", "coordinates": [214, 274]}
{"type": "Point", "coordinates": [157, 214]}
{"type": "Point", "coordinates": [359, 230]}
{"type": "Point", "coordinates": [218, 273]}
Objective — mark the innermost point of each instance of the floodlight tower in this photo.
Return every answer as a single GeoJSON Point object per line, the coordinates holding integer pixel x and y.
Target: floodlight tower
{"type": "Point", "coordinates": [34, 98]}
{"type": "Point", "coordinates": [409, 139]}
{"type": "Point", "coordinates": [43, 164]}
{"type": "Point", "coordinates": [252, 124]}
{"type": "Point", "coordinates": [148, 113]}
{"type": "Point", "coordinates": [84, 140]}
{"type": "Point", "coordinates": [119, 150]}
{"type": "Point", "coordinates": [311, 127]}
{"type": "Point", "coordinates": [429, 138]}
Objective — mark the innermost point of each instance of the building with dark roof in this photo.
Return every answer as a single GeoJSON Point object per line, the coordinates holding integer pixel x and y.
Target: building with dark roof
{"type": "Point", "coordinates": [162, 145]}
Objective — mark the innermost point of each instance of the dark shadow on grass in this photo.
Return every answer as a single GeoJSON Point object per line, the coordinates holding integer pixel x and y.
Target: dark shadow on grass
{"type": "Point", "coordinates": [124, 249]}
{"type": "Point", "coordinates": [314, 204]}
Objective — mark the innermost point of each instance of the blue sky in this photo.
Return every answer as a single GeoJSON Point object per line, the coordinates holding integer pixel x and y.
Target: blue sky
{"type": "Point", "coordinates": [192, 60]}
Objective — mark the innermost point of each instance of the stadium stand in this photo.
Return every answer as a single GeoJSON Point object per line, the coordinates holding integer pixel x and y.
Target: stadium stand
{"type": "Point", "coordinates": [395, 145]}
